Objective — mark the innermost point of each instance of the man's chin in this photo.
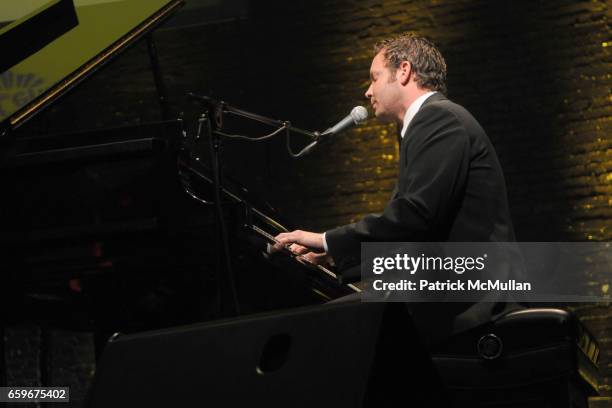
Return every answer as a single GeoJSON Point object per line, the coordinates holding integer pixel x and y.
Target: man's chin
{"type": "Point", "coordinates": [383, 116]}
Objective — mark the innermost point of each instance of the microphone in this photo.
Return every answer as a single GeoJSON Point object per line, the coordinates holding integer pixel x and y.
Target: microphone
{"type": "Point", "coordinates": [357, 116]}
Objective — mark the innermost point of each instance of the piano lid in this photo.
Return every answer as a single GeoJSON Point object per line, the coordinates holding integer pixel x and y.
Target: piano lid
{"type": "Point", "coordinates": [49, 46]}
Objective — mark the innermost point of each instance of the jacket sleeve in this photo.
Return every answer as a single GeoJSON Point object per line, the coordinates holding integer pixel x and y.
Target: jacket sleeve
{"type": "Point", "coordinates": [434, 162]}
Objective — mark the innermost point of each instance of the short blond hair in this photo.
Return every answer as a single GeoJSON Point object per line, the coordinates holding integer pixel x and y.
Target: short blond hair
{"type": "Point", "coordinates": [425, 59]}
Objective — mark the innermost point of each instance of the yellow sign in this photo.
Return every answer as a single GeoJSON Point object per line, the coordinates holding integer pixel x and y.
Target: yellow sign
{"type": "Point", "coordinates": [101, 23]}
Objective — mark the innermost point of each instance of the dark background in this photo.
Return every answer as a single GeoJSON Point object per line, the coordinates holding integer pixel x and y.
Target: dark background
{"type": "Point", "coordinates": [536, 74]}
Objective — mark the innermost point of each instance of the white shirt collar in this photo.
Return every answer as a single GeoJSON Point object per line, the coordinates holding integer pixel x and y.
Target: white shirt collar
{"type": "Point", "coordinates": [413, 109]}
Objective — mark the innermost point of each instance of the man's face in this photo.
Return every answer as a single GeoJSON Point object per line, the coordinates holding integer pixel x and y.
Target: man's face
{"type": "Point", "coordinates": [384, 92]}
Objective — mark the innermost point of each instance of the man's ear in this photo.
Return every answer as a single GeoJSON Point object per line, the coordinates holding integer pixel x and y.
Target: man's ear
{"type": "Point", "coordinates": [404, 72]}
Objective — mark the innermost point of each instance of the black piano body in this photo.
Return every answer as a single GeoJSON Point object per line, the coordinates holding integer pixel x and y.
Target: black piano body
{"type": "Point", "coordinates": [120, 224]}
{"type": "Point", "coordinates": [114, 229]}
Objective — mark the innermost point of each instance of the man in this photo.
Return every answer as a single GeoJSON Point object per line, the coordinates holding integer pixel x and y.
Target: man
{"type": "Point", "coordinates": [450, 187]}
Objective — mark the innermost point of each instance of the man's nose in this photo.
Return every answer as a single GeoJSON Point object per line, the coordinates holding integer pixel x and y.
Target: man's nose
{"type": "Point", "coordinates": [368, 93]}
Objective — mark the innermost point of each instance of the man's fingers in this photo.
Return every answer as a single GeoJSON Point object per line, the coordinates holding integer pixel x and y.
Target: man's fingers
{"type": "Point", "coordinates": [285, 238]}
{"type": "Point", "coordinates": [317, 258]}
{"type": "Point", "coordinates": [298, 249]}
{"type": "Point", "coordinates": [309, 240]}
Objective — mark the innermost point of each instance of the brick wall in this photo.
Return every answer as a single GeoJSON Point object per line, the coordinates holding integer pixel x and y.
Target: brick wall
{"type": "Point", "coordinates": [536, 74]}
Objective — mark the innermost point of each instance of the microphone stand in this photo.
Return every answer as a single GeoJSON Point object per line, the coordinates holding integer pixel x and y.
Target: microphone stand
{"type": "Point", "coordinates": [223, 255]}
{"type": "Point", "coordinates": [221, 107]}
{"type": "Point", "coordinates": [215, 110]}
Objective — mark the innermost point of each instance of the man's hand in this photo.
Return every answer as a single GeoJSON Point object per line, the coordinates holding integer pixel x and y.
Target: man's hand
{"type": "Point", "coordinates": [307, 245]}
{"type": "Point", "coordinates": [318, 258]}
{"type": "Point", "coordinates": [309, 241]}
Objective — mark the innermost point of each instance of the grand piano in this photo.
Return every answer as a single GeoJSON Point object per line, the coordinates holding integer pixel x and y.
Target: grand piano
{"type": "Point", "coordinates": [114, 229]}
{"type": "Point", "coordinates": [119, 230]}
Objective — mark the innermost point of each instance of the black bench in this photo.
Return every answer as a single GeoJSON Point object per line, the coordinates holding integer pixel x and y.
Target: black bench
{"type": "Point", "coordinates": [527, 358]}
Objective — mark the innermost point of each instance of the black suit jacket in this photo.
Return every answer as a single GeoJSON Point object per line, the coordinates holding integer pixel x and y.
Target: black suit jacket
{"type": "Point", "coordinates": [450, 188]}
